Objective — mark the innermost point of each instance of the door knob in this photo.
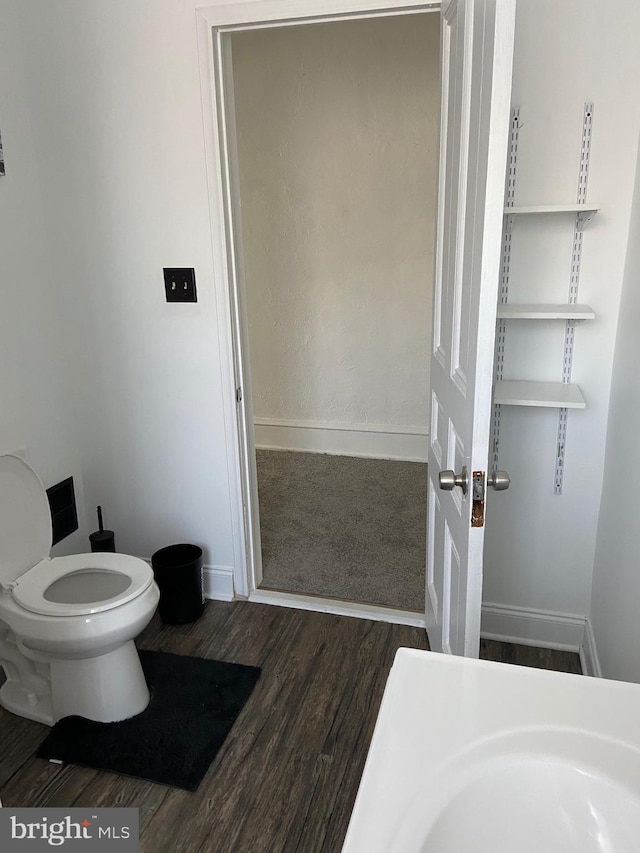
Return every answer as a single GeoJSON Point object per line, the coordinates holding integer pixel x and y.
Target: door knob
{"type": "Point", "coordinates": [449, 480]}
{"type": "Point", "coordinates": [500, 480]}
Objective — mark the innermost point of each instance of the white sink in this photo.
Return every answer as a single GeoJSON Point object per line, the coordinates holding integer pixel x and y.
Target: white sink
{"type": "Point", "coordinates": [482, 757]}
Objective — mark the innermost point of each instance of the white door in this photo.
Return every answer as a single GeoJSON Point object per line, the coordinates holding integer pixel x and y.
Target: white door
{"type": "Point", "coordinates": [477, 53]}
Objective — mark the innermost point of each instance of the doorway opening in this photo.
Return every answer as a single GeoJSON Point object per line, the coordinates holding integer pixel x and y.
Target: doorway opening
{"type": "Point", "coordinates": [476, 50]}
{"type": "Point", "coordinates": [335, 141]}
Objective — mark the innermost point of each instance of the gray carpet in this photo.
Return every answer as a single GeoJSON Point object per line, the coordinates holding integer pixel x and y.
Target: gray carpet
{"type": "Point", "coordinates": [342, 527]}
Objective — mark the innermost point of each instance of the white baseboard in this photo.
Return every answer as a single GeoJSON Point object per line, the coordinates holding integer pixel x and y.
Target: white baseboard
{"type": "Point", "coordinates": [589, 653]}
{"type": "Point", "coordinates": [218, 583]}
{"type": "Point", "coordinates": [375, 441]}
{"type": "Point", "coordinates": [544, 628]}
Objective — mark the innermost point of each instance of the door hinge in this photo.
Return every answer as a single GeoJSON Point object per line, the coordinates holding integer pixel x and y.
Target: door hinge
{"type": "Point", "coordinates": [238, 394]}
{"type": "Point", "coordinates": [477, 496]}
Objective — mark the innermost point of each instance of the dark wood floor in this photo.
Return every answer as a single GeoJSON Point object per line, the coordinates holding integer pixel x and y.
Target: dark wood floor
{"type": "Point", "coordinates": [530, 656]}
{"type": "Point", "coordinates": [287, 776]}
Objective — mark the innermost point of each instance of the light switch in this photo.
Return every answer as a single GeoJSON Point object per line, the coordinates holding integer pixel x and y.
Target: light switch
{"type": "Point", "coordinates": [180, 284]}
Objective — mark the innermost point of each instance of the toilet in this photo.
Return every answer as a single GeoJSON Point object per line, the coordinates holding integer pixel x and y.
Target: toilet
{"type": "Point", "coordinates": [67, 624]}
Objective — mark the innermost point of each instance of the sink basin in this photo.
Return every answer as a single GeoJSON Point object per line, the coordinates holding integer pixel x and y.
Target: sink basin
{"type": "Point", "coordinates": [542, 790]}
{"type": "Point", "coordinates": [482, 757]}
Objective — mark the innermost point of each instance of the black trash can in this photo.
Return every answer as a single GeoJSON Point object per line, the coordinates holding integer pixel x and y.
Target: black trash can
{"type": "Point", "coordinates": [178, 573]}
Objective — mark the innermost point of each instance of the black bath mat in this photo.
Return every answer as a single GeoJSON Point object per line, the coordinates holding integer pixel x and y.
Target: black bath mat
{"type": "Point", "coordinates": [194, 703]}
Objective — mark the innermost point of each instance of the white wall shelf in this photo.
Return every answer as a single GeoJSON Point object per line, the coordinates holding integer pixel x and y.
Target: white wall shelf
{"type": "Point", "coordinates": [585, 212]}
{"type": "Point", "coordinates": [552, 208]}
{"type": "Point", "coordinates": [555, 395]}
{"type": "Point", "coordinates": [532, 311]}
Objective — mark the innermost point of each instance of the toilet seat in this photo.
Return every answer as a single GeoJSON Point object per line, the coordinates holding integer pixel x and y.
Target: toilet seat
{"type": "Point", "coordinates": [30, 588]}
{"type": "Point", "coordinates": [26, 570]}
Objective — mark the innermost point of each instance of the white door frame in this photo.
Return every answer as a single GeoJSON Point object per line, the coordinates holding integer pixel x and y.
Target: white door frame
{"type": "Point", "coordinates": [214, 24]}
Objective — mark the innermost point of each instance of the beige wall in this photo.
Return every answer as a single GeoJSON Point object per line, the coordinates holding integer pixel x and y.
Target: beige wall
{"type": "Point", "coordinates": [337, 137]}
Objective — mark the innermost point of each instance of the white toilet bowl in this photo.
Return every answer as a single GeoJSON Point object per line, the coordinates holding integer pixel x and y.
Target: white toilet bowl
{"type": "Point", "coordinates": [67, 624]}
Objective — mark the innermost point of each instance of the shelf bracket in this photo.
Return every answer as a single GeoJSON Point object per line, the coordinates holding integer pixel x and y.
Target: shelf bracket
{"type": "Point", "coordinates": [505, 273]}
{"type": "Point", "coordinates": [574, 281]}
{"type": "Point", "coordinates": [583, 218]}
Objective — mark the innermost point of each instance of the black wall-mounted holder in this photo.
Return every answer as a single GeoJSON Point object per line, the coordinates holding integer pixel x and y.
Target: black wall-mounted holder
{"type": "Point", "coordinates": [62, 503]}
{"type": "Point", "coordinates": [180, 284]}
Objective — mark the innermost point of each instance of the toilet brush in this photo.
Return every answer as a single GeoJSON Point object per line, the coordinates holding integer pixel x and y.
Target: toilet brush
{"type": "Point", "coordinates": [102, 540]}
